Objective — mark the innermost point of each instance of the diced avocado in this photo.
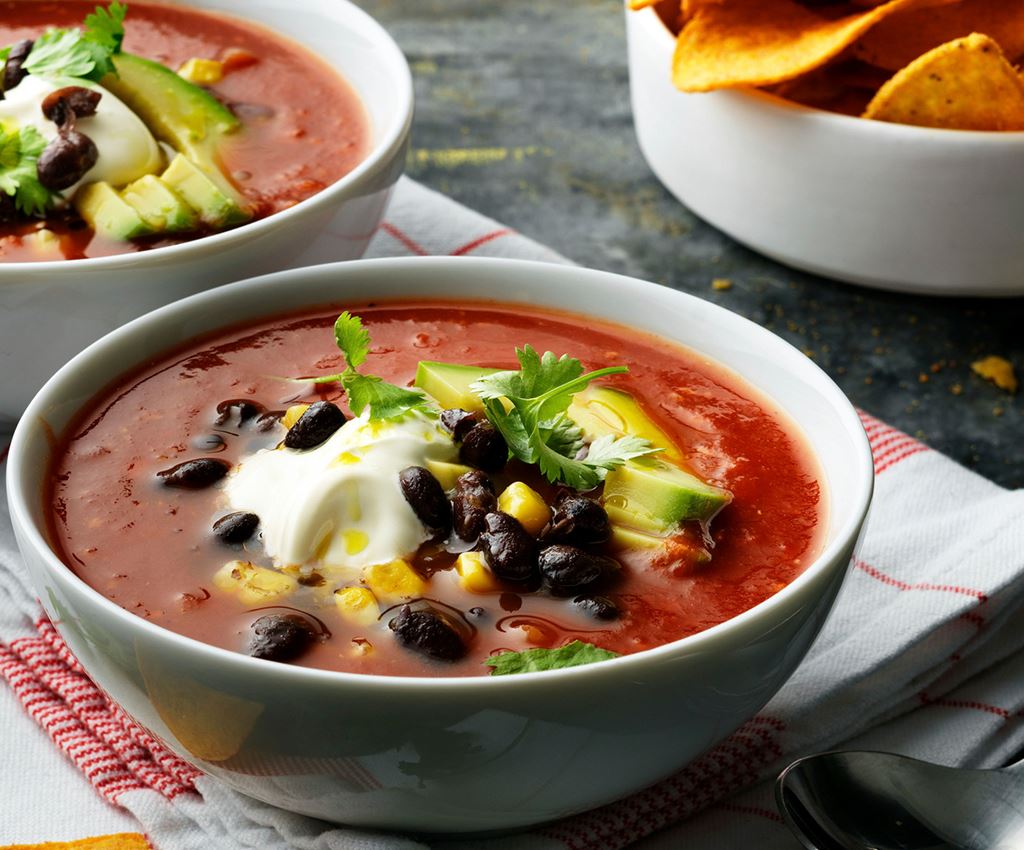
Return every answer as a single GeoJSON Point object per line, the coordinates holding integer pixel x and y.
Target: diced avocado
{"type": "Point", "coordinates": [448, 383]}
{"type": "Point", "coordinates": [160, 206]}
{"type": "Point", "coordinates": [628, 538]}
{"type": "Point", "coordinates": [215, 208]}
{"type": "Point", "coordinates": [185, 116]}
{"type": "Point", "coordinates": [108, 214]}
{"type": "Point", "coordinates": [655, 497]}
{"type": "Point", "coordinates": [447, 473]}
{"type": "Point", "coordinates": [600, 411]}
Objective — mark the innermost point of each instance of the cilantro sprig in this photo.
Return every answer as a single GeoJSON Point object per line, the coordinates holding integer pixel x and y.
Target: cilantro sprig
{"type": "Point", "coordinates": [534, 660]}
{"type": "Point", "coordinates": [386, 401]}
{"type": "Point", "coordinates": [19, 153]}
{"type": "Point", "coordinates": [84, 53]}
{"type": "Point", "coordinates": [537, 426]}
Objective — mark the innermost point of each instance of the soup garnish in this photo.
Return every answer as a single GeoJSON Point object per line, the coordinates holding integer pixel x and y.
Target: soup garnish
{"type": "Point", "coordinates": [106, 150]}
{"type": "Point", "coordinates": [394, 515]}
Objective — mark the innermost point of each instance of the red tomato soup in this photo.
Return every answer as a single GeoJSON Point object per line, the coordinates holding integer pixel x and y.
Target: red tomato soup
{"type": "Point", "coordinates": [302, 125]}
{"type": "Point", "coordinates": [149, 547]}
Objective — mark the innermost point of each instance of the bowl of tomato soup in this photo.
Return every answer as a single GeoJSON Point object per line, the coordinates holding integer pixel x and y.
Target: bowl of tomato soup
{"type": "Point", "coordinates": [370, 548]}
{"type": "Point", "coordinates": [200, 147]}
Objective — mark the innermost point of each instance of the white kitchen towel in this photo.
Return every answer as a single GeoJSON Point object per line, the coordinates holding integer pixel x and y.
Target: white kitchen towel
{"type": "Point", "coordinates": [920, 656]}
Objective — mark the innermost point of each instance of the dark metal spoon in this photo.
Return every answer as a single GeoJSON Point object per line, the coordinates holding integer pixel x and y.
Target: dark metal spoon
{"type": "Point", "coordinates": [882, 801]}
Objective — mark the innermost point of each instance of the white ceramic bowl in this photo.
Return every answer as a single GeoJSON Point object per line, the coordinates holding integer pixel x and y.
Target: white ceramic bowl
{"type": "Point", "coordinates": [447, 755]}
{"type": "Point", "coordinates": [885, 205]}
{"type": "Point", "coordinates": [50, 311]}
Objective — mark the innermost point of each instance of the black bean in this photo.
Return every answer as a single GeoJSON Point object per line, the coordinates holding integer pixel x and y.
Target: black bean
{"type": "Point", "coordinates": [568, 570]}
{"type": "Point", "coordinates": [580, 521]}
{"type": "Point", "coordinates": [510, 551]}
{"type": "Point", "coordinates": [8, 208]}
{"type": "Point", "coordinates": [458, 422]}
{"type": "Point", "coordinates": [13, 72]}
{"type": "Point", "coordinates": [484, 447]}
{"type": "Point", "coordinates": [236, 528]}
{"type": "Point", "coordinates": [241, 409]}
{"type": "Point", "coordinates": [599, 607]}
{"type": "Point", "coordinates": [474, 498]}
{"type": "Point", "coordinates": [280, 637]}
{"type": "Point", "coordinates": [426, 497]}
{"type": "Point", "coordinates": [321, 419]}
{"type": "Point", "coordinates": [65, 160]}
{"type": "Point", "coordinates": [195, 474]}
{"type": "Point", "coordinates": [70, 102]}
{"type": "Point", "coordinates": [429, 632]}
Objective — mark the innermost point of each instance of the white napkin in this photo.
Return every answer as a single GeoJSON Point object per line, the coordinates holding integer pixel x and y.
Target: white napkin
{"type": "Point", "coordinates": [920, 656]}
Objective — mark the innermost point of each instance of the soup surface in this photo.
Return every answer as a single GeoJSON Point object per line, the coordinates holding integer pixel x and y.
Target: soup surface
{"type": "Point", "coordinates": [149, 547]}
{"type": "Point", "coordinates": [302, 126]}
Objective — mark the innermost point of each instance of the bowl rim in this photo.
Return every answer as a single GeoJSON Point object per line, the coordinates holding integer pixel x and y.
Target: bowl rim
{"type": "Point", "coordinates": [653, 24]}
{"type": "Point", "coordinates": [862, 482]}
{"type": "Point", "coordinates": [382, 152]}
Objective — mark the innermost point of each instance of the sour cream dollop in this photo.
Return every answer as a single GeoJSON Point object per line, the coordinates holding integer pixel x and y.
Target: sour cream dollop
{"type": "Point", "coordinates": [127, 150]}
{"type": "Point", "coordinates": [340, 505]}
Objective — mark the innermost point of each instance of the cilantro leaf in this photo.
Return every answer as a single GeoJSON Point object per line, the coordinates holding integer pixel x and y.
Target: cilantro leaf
{"type": "Point", "coordinates": [534, 660]}
{"type": "Point", "coordinates": [60, 53]}
{"type": "Point", "coordinates": [85, 54]}
{"type": "Point", "coordinates": [352, 338]}
{"type": "Point", "coordinates": [537, 427]}
{"type": "Point", "coordinates": [610, 452]}
{"type": "Point", "coordinates": [385, 400]}
{"type": "Point", "coordinates": [105, 27]}
{"type": "Point", "coordinates": [19, 152]}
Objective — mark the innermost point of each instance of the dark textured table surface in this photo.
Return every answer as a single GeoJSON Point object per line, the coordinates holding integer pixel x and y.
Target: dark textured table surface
{"type": "Point", "coordinates": [523, 113]}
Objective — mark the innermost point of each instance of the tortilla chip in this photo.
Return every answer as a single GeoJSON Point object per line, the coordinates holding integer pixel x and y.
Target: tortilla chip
{"type": "Point", "coordinates": [966, 84]}
{"type": "Point", "coordinates": [899, 40]}
{"type": "Point", "coordinates": [846, 86]}
{"type": "Point", "coordinates": [763, 42]}
{"type": "Point", "coordinates": [998, 370]}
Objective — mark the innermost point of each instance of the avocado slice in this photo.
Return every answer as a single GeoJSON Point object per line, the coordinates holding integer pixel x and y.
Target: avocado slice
{"type": "Point", "coordinates": [602, 411]}
{"type": "Point", "coordinates": [655, 497]}
{"type": "Point", "coordinates": [108, 214]}
{"type": "Point", "coordinates": [160, 206]}
{"type": "Point", "coordinates": [183, 115]}
{"type": "Point", "coordinates": [623, 537]}
{"type": "Point", "coordinates": [448, 383]}
{"type": "Point", "coordinates": [215, 208]}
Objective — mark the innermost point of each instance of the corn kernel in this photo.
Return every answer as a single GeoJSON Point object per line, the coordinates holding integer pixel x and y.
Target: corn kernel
{"type": "Point", "coordinates": [474, 575]}
{"type": "Point", "coordinates": [292, 414]}
{"type": "Point", "coordinates": [394, 580]}
{"type": "Point", "coordinates": [253, 584]}
{"type": "Point", "coordinates": [202, 72]}
{"type": "Point", "coordinates": [42, 240]}
{"type": "Point", "coordinates": [361, 647]}
{"type": "Point", "coordinates": [357, 605]}
{"type": "Point", "coordinates": [447, 473]}
{"type": "Point", "coordinates": [526, 505]}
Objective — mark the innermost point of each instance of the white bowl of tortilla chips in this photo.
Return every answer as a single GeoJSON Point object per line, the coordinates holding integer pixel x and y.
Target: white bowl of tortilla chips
{"type": "Point", "coordinates": [876, 143]}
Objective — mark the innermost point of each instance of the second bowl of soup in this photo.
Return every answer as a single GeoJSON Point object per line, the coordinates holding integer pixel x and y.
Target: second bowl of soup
{"type": "Point", "coordinates": [162, 149]}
